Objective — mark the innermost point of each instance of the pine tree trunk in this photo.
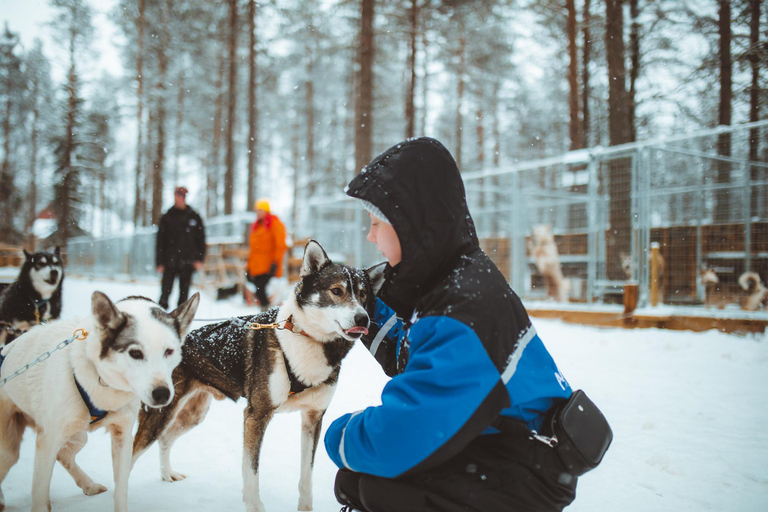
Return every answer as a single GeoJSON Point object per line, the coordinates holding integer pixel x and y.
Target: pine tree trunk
{"type": "Point", "coordinates": [179, 124]}
{"type": "Point", "coordinates": [364, 103]}
{"type": "Point", "coordinates": [586, 52]}
{"type": "Point", "coordinates": [723, 169]}
{"type": "Point", "coordinates": [158, 165]}
{"type": "Point", "coordinates": [229, 173]}
{"type": "Point", "coordinates": [634, 57]}
{"type": "Point", "coordinates": [575, 126]}
{"type": "Point", "coordinates": [424, 82]}
{"type": "Point", "coordinates": [480, 133]}
{"type": "Point", "coordinates": [212, 205]}
{"type": "Point", "coordinates": [757, 205]}
{"type": "Point", "coordinates": [149, 163]}
{"type": "Point", "coordinates": [137, 208]}
{"type": "Point", "coordinates": [253, 112]}
{"type": "Point", "coordinates": [32, 193]}
{"type": "Point", "coordinates": [410, 113]}
{"type": "Point", "coordinates": [620, 132]}
{"type": "Point", "coordinates": [754, 90]}
{"type": "Point", "coordinates": [309, 106]}
{"type": "Point", "coordinates": [65, 215]}
{"type": "Point", "coordinates": [460, 99]}
{"type": "Point", "coordinates": [496, 128]}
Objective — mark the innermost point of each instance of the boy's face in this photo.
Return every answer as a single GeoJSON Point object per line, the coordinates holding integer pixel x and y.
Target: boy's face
{"type": "Point", "coordinates": [386, 240]}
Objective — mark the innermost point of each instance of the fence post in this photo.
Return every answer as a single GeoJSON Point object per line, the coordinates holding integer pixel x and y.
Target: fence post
{"type": "Point", "coordinates": [592, 227]}
{"type": "Point", "coordinates": [747, 207]}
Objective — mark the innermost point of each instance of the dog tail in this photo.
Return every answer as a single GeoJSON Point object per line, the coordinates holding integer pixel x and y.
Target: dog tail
{"type": "Point", "coordinates": [749, 282]}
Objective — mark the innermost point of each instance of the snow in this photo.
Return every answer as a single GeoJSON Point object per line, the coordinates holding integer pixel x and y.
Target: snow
{"type": "Point", "coordinates": [685, 409]}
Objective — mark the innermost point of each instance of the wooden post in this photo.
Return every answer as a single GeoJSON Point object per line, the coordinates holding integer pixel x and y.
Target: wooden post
{"type": "Point", "coordinates": [630, 297]}
{"type": "Point", "coordinates": [654, 298]}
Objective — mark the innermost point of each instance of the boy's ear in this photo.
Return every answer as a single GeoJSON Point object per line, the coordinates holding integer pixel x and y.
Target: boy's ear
{"type": "Point", "coordinates": [376, 276]}
{"type": "Point", "coordinates": [315, 259]}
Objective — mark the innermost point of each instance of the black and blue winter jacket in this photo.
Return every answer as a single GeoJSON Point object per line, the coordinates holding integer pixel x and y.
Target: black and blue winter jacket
{"type": "Point", "coordinates": [455, 338]}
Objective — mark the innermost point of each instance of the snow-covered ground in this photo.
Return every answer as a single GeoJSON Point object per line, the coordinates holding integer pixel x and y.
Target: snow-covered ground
{"type": "Point", "coordinates": [689, 426]}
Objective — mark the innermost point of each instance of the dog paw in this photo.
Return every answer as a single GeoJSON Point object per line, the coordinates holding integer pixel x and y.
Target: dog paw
{"type": "Point", "coordinates": [94, 489]}
{"type": "Point", "coordinates": [173, 476]}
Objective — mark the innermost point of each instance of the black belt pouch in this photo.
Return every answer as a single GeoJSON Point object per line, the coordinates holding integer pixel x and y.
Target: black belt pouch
{"type": "Point", "coordinates": [580, 433]}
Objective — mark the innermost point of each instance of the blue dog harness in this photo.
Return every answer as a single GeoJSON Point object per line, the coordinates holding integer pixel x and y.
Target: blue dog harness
{"type": "Point", "coordinates": [96, 413]}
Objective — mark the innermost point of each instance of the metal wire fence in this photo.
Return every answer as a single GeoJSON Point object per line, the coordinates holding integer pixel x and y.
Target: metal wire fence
{"type": "Point", "coordinates": [605, 208]}
{"type": "Point", "coordinates": [602, 210]}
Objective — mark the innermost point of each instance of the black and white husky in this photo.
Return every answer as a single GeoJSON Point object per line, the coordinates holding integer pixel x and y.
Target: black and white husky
{"type": "Point", "coordinates": [34, 297]}
{"type": "Point", "coordinates": [292, 368]}
{"type": "Point", "coordinates": [126, 359]}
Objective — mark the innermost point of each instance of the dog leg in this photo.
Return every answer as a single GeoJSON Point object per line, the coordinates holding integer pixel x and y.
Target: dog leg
{"type": "Point", "coordinates": [311, 423]}
{"type": "Point", "coordinates": [12, 425]}
{"type": "Point", "coordinates": [256, 421]}
{"type": "Point", "coordinates": [46, 448]}
{"type": "Point", "coordinates": [66, 457]}
{"type": "Point", "coordinates": [189, 416]}
{"type": "Point", "coordinates": [121, 460]}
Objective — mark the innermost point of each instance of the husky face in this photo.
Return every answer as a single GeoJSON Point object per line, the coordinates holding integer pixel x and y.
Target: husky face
{"type": "Point", "coordinates": [45, 270]}
{"type": "Point", "coordinates": [140, 345]}
{"type": "Point", "coordinates": [335, 297]}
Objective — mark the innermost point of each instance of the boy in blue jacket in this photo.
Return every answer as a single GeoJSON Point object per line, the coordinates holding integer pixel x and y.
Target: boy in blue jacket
{"type": "Point", "coordinates": [465, 360]}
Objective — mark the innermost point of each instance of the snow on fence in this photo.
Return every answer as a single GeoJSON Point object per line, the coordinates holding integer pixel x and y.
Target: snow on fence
{"type": "Point", "coordinates": [606, 208]}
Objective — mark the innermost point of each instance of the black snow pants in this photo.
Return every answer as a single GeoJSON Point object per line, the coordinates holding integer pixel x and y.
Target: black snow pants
{"type": "Point", "coordinates": [495, 473]}
{"type": "Point", "coordinates": [184, 274]}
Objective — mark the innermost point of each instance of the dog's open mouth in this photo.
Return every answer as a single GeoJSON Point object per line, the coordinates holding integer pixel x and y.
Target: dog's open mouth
{"type": "Point", "coordinates": [356, 331]}
{"type": "Point", "coordinates": [52, 280]}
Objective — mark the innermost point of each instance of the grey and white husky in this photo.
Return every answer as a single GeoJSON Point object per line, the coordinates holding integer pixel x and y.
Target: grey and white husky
{"type": "Point", "coordinates": [294, 367]}
{"type": "Point", "coordinates": [101, 381]}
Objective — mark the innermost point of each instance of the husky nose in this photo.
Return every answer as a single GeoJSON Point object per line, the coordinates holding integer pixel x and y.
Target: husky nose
{"type": "Point", "coordinates": [361, 319]}
{"type": "Point", "coordinates": [54, 275]}
{"type": "Point", "coordinates": [161, 395]}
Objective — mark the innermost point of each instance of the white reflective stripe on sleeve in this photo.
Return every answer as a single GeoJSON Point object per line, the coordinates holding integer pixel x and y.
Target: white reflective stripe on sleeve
{"type": "Point", "coordinates": [515, 357]}
{"type": "Point", "coordinates": [341, 444]}
{"type": "Point", "coordinates": [382, 332]}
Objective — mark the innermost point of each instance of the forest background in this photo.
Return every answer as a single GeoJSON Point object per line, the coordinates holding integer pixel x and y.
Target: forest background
{"type": "Point", "coordinates": [106, 106]}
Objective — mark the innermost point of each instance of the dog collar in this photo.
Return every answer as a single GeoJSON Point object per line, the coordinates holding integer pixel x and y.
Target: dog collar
{"type": "Point", "coordinates": [289, 325]}
{"type": "Point", "coordinates": [96, 413]}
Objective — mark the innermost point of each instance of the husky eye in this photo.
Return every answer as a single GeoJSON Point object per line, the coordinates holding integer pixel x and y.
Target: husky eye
{"type": "Point", "coordinates": [337, 291]}
{"type": "Point", "coordinates": [168, 352]}
{"type": "Point", "coordinates": [136, 354]}
{"type": "Point", "coordinates": [363, 295]}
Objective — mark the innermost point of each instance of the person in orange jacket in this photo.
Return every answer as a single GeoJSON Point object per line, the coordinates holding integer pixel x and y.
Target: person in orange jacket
{"type": "Point", "coordinates": [267, 249]}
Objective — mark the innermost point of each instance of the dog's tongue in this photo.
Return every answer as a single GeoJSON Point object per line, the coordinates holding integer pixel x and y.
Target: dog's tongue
{"type": "Point", "coordinates": [357, 330]}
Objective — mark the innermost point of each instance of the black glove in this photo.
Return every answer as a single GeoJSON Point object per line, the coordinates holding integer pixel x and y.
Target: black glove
{"type": "Point", "coordinates": [272, 270]}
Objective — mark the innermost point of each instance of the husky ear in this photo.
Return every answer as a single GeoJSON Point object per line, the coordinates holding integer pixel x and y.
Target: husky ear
{"type": "Point", "coordinates": [376, 276]}
{"type": "Point", "coordinates": [314, 259]}
{"type": "Point", "coordinates": [185, 313]}
{"type": "Point", "coordinates": [57, 251]}
{"type": "Point", "coordinates": [105, 312]}
{"type": "Point", "coordinates": [27, 255]}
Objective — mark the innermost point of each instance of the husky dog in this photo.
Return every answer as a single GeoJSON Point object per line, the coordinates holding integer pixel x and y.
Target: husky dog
{"type": "Point", "coordinates": [757, 293]}
{"type": "Point", "coordinates": [127, 358]}
{"type": "Point", "coordinates": [34, 297]}
{"type": "Point", "coordinates": [544, 252]}
{"type": "Point", "coordinates": [293, 367]}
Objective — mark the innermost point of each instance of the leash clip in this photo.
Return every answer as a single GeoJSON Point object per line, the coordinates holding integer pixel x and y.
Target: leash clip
{"type": "Point", "coordinates": [83, 334]}
{"type": "Point", "coordinates": [549, 441]}
{"type": "Point", "coordinates": [258, 327]}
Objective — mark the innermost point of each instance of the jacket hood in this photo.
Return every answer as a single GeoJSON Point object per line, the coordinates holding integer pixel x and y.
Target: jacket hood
{"type": "Point", "coordinates": [417, 186]}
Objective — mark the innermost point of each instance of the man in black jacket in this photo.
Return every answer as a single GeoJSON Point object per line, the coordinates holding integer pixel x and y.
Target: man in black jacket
{"type": "Point", "coordinates": [180, 247]}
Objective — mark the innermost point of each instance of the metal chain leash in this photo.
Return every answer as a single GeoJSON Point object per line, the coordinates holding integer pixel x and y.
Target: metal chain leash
{"type": "Point", "coordinates": [45, 355]}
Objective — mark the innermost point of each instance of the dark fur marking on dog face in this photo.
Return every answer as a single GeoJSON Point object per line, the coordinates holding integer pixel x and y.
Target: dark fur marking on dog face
{"type": "Point", "coordinates": [137, 297]}
{"type": "Point", "coordinates": [166, 319]}
{"type": "Point", "coordinates": [119, 338]}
